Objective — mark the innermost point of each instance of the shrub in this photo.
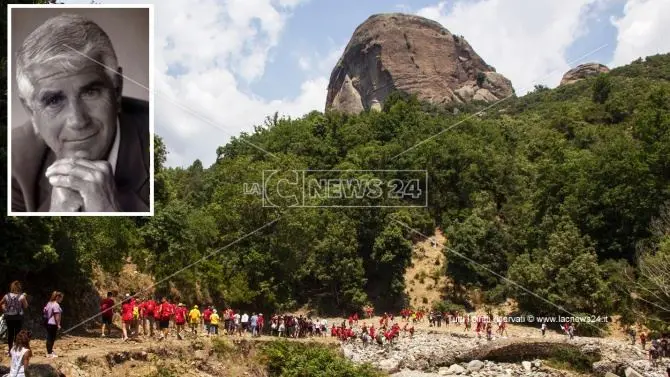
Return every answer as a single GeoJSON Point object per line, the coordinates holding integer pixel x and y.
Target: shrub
{"type": "Point", "coordinates": [481, 76]}
{"type": "Point", "coordinates": [601, 88]}
{"type": "Point", "coordinates": [287, 359]}
{"type": "Point", "coordinates": [222, 347]}
{"type": "Point", "coordinates": [572, 359]}
{"type": "Point", "coordinates": [448, 306]}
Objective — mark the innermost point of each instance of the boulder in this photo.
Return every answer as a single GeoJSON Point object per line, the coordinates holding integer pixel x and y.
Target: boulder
{"type": "Point", "coordinates": [456, 369]}
{"type": "Point", "coordinates": [389, 365]}
{"type": "Point", "coordinates": [475, 365]}
{"type": "Point", "coordinates": [414, 55]}
{"type": "Point", "coordinates": [630, 372]}
{"type": "Point", "coordinates": [583, 71]}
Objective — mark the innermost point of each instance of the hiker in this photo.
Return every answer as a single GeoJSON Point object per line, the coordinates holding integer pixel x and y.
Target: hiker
{"type": "Point", "coordinates": [632, 335]}
{"type": "Point", "coordinates": [543, 328]}
{"type": "Point", "coordinates": [214, 323]}
{"type": "Point", "coordinates": [282, 327]}
{"type": "Point", "coordinates": [261, 323]}
{"type": "Point", "coordinates": [194, 319]}
{"type": "Point", "coordinates": [206, 315]}
{"type": "Point", "coordinates": [571, 330]}
{"type": "Point", "coordinates": [126, 316]}
{"type": "Point", "coordinates": [643, 340]}
{"type": "Point", "coordinates": [231, 323]}
{"type": "Point", "coordinates": [20, 354]}
{"type": "Point", "coordinates": [180, 319]}
{"type": "Point", "coordinates": [654, 354]}
{"type": "Point", "coordinates": [245, 322]}
{"type": "Point", "coordinates": [107, 313]}
{"type": "Point", "coordinates": [137, 315]}
{"type": "Point", "coordinates": [238, 324]}
{"type": "Point", "coordinates": [148, 316]}
{"type": "Point", "coordinates": [13, 304]}
{"type": "Point", "coordinates": [165, 312]}
{"type": "Point", "coordinates": [254, 325]}
{"type": "Point", "coordinates": [52, 314]}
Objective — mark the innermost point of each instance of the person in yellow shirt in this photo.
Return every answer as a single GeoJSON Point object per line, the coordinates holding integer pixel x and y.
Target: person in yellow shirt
{"type": "Point", "coordinates": [194, 319]}
{"type": "Point", "coordinates": [214, 324]}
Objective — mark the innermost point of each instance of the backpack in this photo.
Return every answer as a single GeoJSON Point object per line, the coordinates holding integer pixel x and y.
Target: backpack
{"type": "Point", "coordinates": [13, 305]}
{"type": "Point", "coordinates": [136, 312]}
{"type": "Point", "coordinates": [150, 307]}
{"type": "Point", "coordinates": [45, 315]}
{"type": "Point", "coordinates": [180, 315]}
{"type": "Point", "coordinates": [193, 315]}
{"type": "Point", "coordinates": [166, 311]}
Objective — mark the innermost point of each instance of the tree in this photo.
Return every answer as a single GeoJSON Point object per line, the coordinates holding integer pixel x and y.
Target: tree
{"type": "Point", "coordinates": [601, 88]}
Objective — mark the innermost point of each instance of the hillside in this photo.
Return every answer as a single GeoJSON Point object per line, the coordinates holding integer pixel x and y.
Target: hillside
{"type": "Point", "coordinates": [425, 282]}
{"type": "Point", "coordinates": [560, 191]}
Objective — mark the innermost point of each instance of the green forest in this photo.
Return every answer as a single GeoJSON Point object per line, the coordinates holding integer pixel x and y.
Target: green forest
{"type": "Point", "coordinates": [561, 196]}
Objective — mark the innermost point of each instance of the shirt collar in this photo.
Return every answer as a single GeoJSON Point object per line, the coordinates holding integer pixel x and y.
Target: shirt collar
{"type": "Point", "coordinates": [114, 152]}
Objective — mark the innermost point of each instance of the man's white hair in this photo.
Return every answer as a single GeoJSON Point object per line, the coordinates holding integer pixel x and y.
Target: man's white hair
{"type": "Point", "coordinates": [67, 40]}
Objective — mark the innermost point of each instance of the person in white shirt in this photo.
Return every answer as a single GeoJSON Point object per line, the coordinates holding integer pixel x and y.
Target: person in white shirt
{"type": "Point", "coordinates": [245, 322]}
{"type": "Point", "coordinates": [20, 354]}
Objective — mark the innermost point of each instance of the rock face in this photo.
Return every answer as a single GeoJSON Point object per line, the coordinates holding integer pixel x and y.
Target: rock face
{"type": "Point", "coordinates": [415, 55]}
{"type": "Point", "coordinates": [583, 71]}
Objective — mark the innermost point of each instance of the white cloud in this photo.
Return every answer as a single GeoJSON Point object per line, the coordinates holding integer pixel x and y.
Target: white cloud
{"type": "Point", "coordinates": [316, 64]}
{"type": "Point", "coordinates": [644, 30]}
{"type": "Point", "coordinates": [524, 40]}
{"type": "Point", "coordinates": [305, 63]}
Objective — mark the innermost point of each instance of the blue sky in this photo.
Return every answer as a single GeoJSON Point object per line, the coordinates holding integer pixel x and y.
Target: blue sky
{"type": "Point", "coordinates": [221, 66]}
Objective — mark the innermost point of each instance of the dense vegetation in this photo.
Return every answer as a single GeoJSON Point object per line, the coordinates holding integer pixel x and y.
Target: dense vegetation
{"type": "Point", "coordinates": [555, 199]}
{"type": "Point", "coordinates": [290, 359]}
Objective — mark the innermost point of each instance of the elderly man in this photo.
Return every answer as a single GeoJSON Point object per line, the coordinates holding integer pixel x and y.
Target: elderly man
{"type": "Point", "coordinates": [86, 147]}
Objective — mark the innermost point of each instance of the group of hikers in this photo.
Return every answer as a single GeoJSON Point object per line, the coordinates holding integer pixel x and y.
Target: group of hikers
{"type": "Point", "coordinates": [660, 345]}
{"type": "Point", "coordinates": [14, 305]}
{"type": "Point", "coordinates": [160, 315]}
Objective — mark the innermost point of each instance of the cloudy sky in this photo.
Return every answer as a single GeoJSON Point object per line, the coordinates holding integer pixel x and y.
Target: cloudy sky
{"type": "Point", "coordinates": [222, 66]}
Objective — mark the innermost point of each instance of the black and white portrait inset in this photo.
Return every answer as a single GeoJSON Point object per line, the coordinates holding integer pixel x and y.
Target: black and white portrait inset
{"type": "Point", "coordinates": [80, 106]}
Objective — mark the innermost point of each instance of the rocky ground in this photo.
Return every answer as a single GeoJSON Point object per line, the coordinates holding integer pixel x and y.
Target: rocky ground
{"type": "Point", "coordinates": [431, 352]}
{"type": "Point", "coordinates": [444, 353]}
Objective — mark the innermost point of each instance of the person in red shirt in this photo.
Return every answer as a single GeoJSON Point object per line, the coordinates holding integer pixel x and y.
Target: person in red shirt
{"type": "Point", "coordinates": [180, 319]}
{"type": "Point", "coordinates": [165, 313]}
{"type": "Point", "coordinates": [372, 331]}
{"type": "Point", "coordinates": [107, 313]}
{"type": "Point", "coordinates": [206, 315]}
{"type": "Point", "coordinates": [351, 320]}
{"type": "Point", "coordinates": [126, 316]}
{"type": "Point", "coordinates": [148, 316]}
{"type": "Point", "coordinates": [356, 318]}
{"type": "Point", "coordinates": [261, 323]}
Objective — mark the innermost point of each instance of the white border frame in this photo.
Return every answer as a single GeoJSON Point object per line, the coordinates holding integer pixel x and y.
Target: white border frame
{"type": "Point", "coordinates": [151, 86]}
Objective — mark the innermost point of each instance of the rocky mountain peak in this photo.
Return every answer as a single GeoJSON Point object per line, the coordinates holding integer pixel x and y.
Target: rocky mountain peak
{"type": "Point", "coordinates": [413, 54]}
{"type": "Point", "coordinates": [583, 71]}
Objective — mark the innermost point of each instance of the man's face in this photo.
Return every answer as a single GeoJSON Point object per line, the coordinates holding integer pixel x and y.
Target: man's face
{"type": "Point", "coordinates": [75, 112]}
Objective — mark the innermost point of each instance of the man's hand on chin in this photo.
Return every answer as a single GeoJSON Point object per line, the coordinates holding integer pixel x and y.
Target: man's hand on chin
{"type": "Point", "coordinates": [92, 180]}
